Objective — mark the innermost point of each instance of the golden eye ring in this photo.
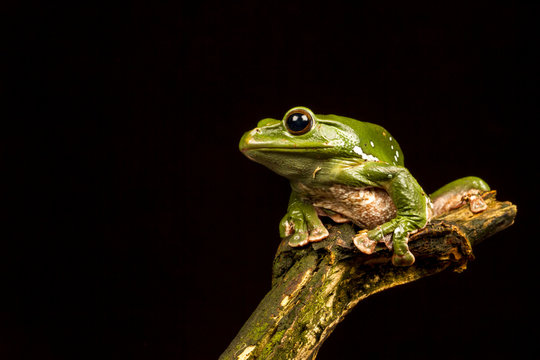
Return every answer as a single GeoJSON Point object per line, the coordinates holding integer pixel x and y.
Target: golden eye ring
{"type": "Point", "coordinates": [298, 121]}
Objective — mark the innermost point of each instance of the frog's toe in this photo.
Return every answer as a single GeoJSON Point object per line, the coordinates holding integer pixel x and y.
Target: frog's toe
{"type": "Point", "coordinates": [406, 259]}
{"type": "Point", "coordinates": [364, 243]}
{"type": "Point", "coordinates": [294, 229]}
{"type": "Point", "coordinates": [286, 227]}
{"type": "Point", "coordinates": [301, 229]}
{"type": "Point", "coordinates": [476, 203]}
{"type": "Point", "coordinates": [318, 233]}
{"type": "Point", "coordinates": [299, 238]}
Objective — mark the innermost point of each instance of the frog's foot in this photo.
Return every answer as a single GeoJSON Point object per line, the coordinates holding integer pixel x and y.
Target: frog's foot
{"type": "Point", "coordinates": [395, 235]}
{"type": "Point", "coordinates": [402, 255]}
{"type": "Point", "coordinates": [407, 259]}
{"type": "Point", "coordinates": [301, 229]}
{"type": "Point", "coordinates": [451, 201]}
{"type": "Point", "coordinates": [364, 243]}
{"type": "Point", "coordinates": [476, 203]}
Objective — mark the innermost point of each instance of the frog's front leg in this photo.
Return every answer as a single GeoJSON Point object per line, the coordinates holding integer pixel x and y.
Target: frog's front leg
{"type": "Point", "coordinates": [399, 228]}
{"type": "Point", "coordinates": [412, 204]}
{"type": "Point", "coordinates": [301, 224]}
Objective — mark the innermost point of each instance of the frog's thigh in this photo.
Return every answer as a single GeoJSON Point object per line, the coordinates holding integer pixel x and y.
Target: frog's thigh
{"type": "Point", "coordinates": [451, 195]}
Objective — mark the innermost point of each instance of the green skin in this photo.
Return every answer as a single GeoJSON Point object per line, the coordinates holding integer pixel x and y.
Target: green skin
{"type": "Point", "coordinates": [338, 150]}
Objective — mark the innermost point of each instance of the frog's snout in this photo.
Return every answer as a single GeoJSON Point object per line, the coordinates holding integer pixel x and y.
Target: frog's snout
{"type": "Point", "coordinates": [246, 140]}
{"type": "Point", "coordinates": [251, 140]}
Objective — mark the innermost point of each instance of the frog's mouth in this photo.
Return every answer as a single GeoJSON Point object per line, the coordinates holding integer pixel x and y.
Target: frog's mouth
{"type": "Point", "coordinates": [250, 142]}
{"type": "Point", "coordinates": [254, 152]}
{"type": "Point", "coordinates": [281, 148]}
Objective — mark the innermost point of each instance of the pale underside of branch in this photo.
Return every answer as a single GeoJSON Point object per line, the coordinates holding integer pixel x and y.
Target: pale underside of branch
{"type": "Point", "coordinates": [314, 287]}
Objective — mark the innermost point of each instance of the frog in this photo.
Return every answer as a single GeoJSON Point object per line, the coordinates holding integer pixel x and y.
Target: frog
{"type": "Point", "coordinates": [350, 171]}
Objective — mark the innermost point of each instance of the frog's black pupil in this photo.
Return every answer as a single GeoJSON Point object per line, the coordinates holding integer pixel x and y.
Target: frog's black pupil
{"type": "Point", "coordinates": [297, 122]}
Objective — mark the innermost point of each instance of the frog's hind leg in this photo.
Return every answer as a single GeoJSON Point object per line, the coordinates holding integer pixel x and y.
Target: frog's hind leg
{"type": "Point", "coordinates": [454, 194]}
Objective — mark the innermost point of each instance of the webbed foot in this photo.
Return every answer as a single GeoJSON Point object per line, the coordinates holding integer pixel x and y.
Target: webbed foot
{"type": "Point", "coordinates": [395, 235]}
{"type": "Point", "coordinates": [364, 243]}
{"type": "Point", "coordinates": [302, 227]}
{"type": "Point", "coordinates": [476, 203]}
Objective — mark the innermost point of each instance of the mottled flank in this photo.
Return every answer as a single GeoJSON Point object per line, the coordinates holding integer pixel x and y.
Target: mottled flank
{"type": "Point", "coordinates": [366, 207]}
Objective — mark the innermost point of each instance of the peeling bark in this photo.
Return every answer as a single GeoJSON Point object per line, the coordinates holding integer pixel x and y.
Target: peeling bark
{"type": "Point", "coordinates": [315, 287]}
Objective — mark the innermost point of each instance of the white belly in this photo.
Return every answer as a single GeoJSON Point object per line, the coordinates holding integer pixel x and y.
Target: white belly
{"type": "Point", "coordinates": [366, 207]}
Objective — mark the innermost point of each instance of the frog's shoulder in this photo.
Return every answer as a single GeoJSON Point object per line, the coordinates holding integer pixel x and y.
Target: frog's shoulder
{"type": "Point", "coordinates": [375, 142]}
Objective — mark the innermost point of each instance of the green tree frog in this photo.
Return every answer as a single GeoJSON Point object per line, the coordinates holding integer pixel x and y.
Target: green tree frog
{"type": "Point", "coordinates": [350, 171]}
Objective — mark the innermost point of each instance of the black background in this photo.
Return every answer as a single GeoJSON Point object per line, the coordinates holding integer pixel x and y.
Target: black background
{"type": "Point", "coordinates": [133, 226]}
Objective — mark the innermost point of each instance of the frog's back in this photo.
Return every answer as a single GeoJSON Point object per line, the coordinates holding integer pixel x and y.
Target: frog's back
{"type": "Point", "coordinates": [376, 143]}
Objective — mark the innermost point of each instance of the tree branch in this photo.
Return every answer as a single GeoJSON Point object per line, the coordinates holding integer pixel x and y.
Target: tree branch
{"type": "Point", "coordinates": [315, 287]}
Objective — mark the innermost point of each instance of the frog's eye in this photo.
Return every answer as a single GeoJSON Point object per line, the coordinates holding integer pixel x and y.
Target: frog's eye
{"type": "Point", "coordinates": [298, 121]}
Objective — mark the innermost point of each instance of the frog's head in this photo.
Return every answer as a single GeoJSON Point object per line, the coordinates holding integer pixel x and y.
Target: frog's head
{"type": "Point", "coordinates": [291, 146]}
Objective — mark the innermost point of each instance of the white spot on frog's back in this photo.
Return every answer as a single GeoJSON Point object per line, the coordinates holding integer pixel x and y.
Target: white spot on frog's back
{"type": "Point", "coordinates": [358, 150]}
{"type": "Point", "coordinates": [372, 144]}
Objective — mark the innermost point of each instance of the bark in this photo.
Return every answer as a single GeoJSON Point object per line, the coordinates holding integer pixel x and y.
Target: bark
{"type": "Point", "coordinates": [315, 287]}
